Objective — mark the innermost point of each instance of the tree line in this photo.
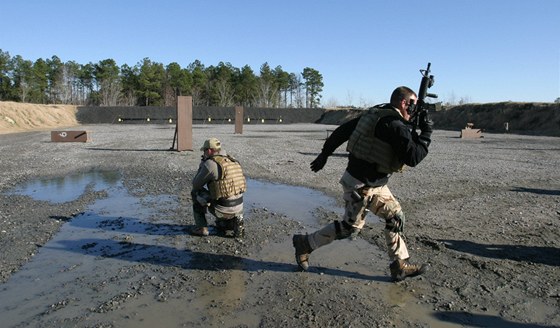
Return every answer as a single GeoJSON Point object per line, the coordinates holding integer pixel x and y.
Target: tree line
{"type": "Point", "coordinates": [148, 83]}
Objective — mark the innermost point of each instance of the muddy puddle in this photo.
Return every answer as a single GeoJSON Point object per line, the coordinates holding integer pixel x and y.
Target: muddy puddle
{"type": "Point", "coordinates": [79, 273]}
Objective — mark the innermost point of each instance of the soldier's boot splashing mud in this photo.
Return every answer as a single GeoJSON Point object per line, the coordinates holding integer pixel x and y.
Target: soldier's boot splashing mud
{"type": "Point", "coordinates": [401, 269]}
{"type": "Point", "coordinates": [301, 244]}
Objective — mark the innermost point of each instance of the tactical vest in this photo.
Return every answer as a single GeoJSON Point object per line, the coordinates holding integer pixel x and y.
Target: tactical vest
{"type": "Point", "coordinates": [364, 145]}
{"type": "Point", "coordinates": [231, 181]}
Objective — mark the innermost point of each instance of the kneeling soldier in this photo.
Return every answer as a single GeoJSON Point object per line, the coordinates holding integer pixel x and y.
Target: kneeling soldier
{"type": "Point", "coordinates": [218, 187]}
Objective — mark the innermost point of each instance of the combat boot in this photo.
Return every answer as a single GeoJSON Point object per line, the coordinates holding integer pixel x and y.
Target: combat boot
{"type": "Point", "coordinates": [238, 228]}
{"type": "Point", "coordinates": [200, 231]}
{"type": "Point", "coordinates": [401, 269]}
{"type": "Point", "coordinates": [301, 244]}
{"type": "Point", "coordinates": [222, 227]}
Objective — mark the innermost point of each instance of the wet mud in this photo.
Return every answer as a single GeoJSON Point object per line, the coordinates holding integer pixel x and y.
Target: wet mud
{"type": "Point", "coordinates": [96, 235]}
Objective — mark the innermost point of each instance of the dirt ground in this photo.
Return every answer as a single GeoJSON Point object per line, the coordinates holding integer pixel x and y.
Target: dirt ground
{"type": "Point", "coordinates": [484, 213]}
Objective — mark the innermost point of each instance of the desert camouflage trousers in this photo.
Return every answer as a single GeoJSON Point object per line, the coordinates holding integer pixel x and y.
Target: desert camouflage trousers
{"type": "Point", "coordinates": [359, 200]}
{"type": "Point", "coordinates": [202, 205]}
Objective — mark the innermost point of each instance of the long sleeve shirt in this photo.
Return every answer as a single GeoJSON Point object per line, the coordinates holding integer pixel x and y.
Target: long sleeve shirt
{"type": "Point", "coordinates": [207, 172]}
{"type": "Point", "coordinates": [403, 140]}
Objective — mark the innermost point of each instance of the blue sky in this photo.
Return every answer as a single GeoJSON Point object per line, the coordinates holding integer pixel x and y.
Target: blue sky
{"type": "Point", "coordinates": [481, 51]}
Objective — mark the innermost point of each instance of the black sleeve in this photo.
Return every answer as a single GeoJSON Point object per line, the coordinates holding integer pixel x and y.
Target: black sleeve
{"type": "Point", "coordinates": [403, 139]}
{"type": "Point", "coordinates": [339, 136]}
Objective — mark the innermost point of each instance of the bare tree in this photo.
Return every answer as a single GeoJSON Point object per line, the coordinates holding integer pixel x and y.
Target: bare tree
{"type": "Point", "coordinates": [225, 93]}
{"type": "Point", "coordinates": [65, 85]}
{"type": "Point", "coordinates": [299, 92]}
{"type": "Point", "coordinates": [266, 93]}
{"type": "Point", "coordinates": [464, 100]}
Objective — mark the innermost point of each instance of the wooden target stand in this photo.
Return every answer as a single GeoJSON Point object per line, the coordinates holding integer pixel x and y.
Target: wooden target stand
{"type": "Point", "coordinates": [469, 132]}
{"type": "Point", "coordinates": [238, 120]}
{"type": "Point", "coordinates": [183, 125]}
{"type": "Point", "coordinates": [70, 136]}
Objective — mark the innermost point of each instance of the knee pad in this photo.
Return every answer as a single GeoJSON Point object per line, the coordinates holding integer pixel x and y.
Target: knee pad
{"type": "Point", "coordinates": [344, 230]}
{"type": "Point", "coordinates": [395, 223]}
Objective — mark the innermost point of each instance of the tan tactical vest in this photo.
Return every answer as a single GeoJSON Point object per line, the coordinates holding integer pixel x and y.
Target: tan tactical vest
{"type": "Point", "coordinates": [231, 182]}
{"type": "Point", "coordinates": [364, 145]}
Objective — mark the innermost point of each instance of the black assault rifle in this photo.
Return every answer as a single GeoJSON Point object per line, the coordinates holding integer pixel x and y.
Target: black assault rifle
{"type": "Point", "coordinates": [421, 105]}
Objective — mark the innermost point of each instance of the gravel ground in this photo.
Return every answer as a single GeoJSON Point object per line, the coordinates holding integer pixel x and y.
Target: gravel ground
{"type": "Point", "coordinates": [485, 213]}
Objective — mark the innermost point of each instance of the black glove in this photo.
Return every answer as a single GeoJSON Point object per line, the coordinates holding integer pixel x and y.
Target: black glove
{"type": "Point", "coordinates": [319, 162]}
{"type": "Point", "coordinates": [426, 124]}
{"type": "Point", "coordinates": [426, 127]}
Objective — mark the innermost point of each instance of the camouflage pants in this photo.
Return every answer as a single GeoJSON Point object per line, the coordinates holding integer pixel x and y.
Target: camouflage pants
{"type": "Point", "coordinates": [202, 205]}
{"type": "Point", "coordinates": [359, 200]}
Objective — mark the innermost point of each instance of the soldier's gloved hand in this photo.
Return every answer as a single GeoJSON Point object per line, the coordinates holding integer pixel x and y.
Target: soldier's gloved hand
{"type": "Point", "coordinates": [202, 201]}
{"type": "Point", "coordinates": [426, 124]}
{"type": "Point", "coordinates": [426, 127]}
{"type": "Point", "coordinates": [319, 162]}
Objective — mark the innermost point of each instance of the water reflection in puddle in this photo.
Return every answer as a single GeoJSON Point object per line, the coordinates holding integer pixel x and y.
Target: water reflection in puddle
{"type": "Point", "coordinates": [294, 202]}
{"type": "Point", "coordinates": [114, 232]}
{"type": "Point", "coordinates": [67, 188]}
{"type": "Point", "coordinates": [121, 231]}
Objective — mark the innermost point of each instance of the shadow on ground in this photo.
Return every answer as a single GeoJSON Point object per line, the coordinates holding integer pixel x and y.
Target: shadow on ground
{"type": "Point", "coordinates": [480, 320]}
{"type": "Point", "coordinates": [520, 253]}
{"type": "Point", "coordinates": [190, 260]}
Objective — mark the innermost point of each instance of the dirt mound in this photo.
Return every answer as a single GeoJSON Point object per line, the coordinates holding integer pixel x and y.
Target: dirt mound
{"type": "Point", "coordinates": [339, 116]}
{"type": "Point", "coordinates": [521, 118]}
{"type": "Point", "coordinates": [19, 117]}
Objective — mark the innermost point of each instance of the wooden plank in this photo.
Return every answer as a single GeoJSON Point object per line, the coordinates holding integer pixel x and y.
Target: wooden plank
{"type": "Point", "coordinates": [238, 120]}
{"type": "Point", "coordinates": [184, 123]}
{"type": "Point", "coordinates": [471, 133]}
{"type": "Point", "coordinates": [70, 136]}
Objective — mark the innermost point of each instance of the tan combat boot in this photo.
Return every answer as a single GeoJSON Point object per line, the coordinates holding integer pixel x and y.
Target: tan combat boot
{"type": "Point", "coordinates": [301, 244]}
{"type": "Point", "coordinates": [401, 269]}
{"type": "Point", "coordinates": [200, 231]}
